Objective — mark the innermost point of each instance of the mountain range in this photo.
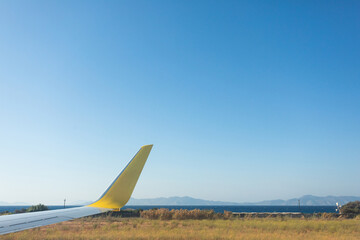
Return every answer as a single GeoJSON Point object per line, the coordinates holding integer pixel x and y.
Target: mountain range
{"type": "Point", "coordinates": [176, 201]}
{"type": "Point", "coordinates": [307, 200]}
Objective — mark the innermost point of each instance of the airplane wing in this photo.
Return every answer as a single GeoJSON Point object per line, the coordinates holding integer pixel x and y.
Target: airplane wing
{"type": "Point", "coordinates": [115, 197]}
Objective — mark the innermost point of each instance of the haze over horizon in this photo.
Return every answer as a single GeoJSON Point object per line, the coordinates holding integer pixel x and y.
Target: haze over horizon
{"type": "Point", "coordinates": [243, 101]}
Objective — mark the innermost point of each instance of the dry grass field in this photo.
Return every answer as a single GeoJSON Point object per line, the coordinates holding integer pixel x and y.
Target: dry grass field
{"type": "Point", "coordinates": [140, 228]}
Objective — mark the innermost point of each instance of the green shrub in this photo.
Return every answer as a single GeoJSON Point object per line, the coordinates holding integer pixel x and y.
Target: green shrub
{"type": "Point", "coordinates": [36, 208]}
{"type": "Point", "coordinates": [351, 208]}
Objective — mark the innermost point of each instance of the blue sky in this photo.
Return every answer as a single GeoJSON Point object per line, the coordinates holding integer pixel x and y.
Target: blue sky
{"type": "Point", "coordinates": [243, 100]}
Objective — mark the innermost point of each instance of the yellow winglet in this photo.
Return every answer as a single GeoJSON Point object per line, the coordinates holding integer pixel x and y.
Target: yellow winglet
{"type": "Point", "coordinates": [119, 192]}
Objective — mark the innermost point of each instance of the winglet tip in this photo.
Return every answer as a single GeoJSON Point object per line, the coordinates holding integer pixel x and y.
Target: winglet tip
{"type": "Point", "coordinates": [119, 192]}
{"type": "Point", "coordinates": [148, 146]}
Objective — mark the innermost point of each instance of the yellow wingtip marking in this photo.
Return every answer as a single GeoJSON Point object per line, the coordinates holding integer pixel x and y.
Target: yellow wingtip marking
{"type": "Point", "coordinates": [119, 192]}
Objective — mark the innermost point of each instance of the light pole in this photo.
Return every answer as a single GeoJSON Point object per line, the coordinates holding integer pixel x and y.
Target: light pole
{"type": "Point", "coordinates": [64, 202]}
{"type": "Point", "coordinates": [338, 207]}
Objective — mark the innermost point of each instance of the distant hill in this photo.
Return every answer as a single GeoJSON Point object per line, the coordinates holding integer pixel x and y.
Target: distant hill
{"type": "Point", "coordinates": [176, 201]}
{"type": "Point", "coordinates": [309, 200]}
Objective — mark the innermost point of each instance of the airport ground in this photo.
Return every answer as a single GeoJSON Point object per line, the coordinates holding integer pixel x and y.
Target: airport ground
{"type": "Point", "coordinates": [108, 227]}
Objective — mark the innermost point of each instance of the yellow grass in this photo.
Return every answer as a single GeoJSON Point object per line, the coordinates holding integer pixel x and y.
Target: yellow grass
{"type": "Point", "coordinates": [139, 228]}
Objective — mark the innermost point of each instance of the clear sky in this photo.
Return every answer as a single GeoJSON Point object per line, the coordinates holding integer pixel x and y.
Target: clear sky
{"type": "Point", "coordinates": [243, 100]}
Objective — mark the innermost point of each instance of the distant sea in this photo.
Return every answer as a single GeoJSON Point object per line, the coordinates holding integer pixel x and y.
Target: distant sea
{"type": "Point", "coordinates": [303, 209]}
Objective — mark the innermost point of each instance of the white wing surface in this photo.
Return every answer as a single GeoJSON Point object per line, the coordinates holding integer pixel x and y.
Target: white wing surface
{"type": "Point", "coordinates": [115, 197]}
{"type": "Point", "coordinates": [22, 221]}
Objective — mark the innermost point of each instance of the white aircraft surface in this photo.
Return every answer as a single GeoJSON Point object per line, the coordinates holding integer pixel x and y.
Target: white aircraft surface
{"type": "Point", "coordinates": [114, 198]}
